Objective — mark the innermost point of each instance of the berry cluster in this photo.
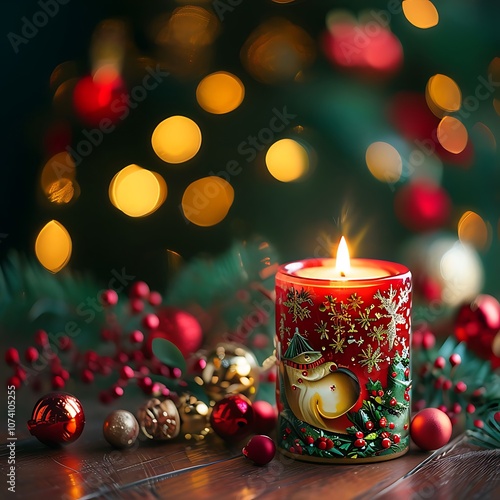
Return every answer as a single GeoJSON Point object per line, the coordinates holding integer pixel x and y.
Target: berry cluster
{"type": "Point", "coordinates": [129, 360]}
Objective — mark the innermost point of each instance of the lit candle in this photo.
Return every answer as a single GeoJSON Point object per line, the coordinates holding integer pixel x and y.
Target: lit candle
{"type": "Point", "coordinates": [343, 340]}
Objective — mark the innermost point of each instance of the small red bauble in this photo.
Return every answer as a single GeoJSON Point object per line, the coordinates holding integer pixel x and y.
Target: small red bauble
{"type": "Point", "coordinates": [430, 429]}
{"type": "Point", "coordinates": [260, 449]}
{"type": "Point", "coordinates": [477, 324]}
{"type": "Point", "coordinates": [57, 418]}
{"type": "Point", "coordinates": [232, 417]}
{"type": "Point", "coordinates": [265, 417]}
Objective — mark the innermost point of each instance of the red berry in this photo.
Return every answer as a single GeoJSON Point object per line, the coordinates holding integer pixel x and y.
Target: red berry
{"type": "Point", "coordinates": [447, 384]}
{"type": "Point", "coordinates": [496, 416]}
{"type": "Point", "coordinates": [58, 382]}
{"type": "Point", "coordinates": [391, 425]}
{"type": "Point", "coordinates": [109, 298]}
{"type": "Point", "coordinates": [65, 343]}
{"type": "Point", "coordinates": [456, 408]}
{"type": "Point", "coordinates": [139, 289]}
{"type": "Point", "coordinates": [407, 396]}
{"type": "Point", "coordinates": [396, 438]}
{"type": "Point", "coordinates": [374, 393]}
{"type": "Point", "coordinates": [150, 321]}
{"type": "Point", "coordinates": [136, 306]}
{"type": "Point", "coordinates": [309, 440]}
{"type": "Point", "coordinates": [470, 408]}
{"type": "Point", "coordinates": [31, 354]}
{"type": "Point", "coordinates": [15, 381]}
{"type": "Point", "coordinates": [384, 434]}
{"type": "Point", "coordinates": [369, 425]}
{"type": "Point", "coordinates": [155, 299]}
{"type": "Point", "coordinates": [428, 340]}
{"type": "Point", "coordinates": [105, 397]}
{"type": "Point", "coordinates": [405, 427]}
{"type": "Point", "coordinates": [20, 373]}
{"type": "Point", "coordinates": [460, 387]}
{"type": "Point", "coordinates": [455, 359]}
{"type": "Point", "coordinates": [322, 445]}
{"type": "Point", "coordinates": [291, 449]}
{"type": "Point", "coordinates": [386, 443]}
{"type": "Point", "coordinates": [394, 374]}
{"type": "Point", "coordinates": [303, 429]}
{"type": "Point", "coordinates": [382, 422]}
{"type": "Point", "coordinates": [12, 356]}
{"type": "Point", "coordinates": [359, 443]}
{"type": "Point", "coordinates": [407, 372]}
{"type": "Point", "coordinates": [440, 363]}
{"type": "Point", "coordinates": [329, 444]}
{"type": "Point", "coordinates": [41, 338]}
{"type": "Point", "coordinates": [380, 393]}
{"type": "Point", "coordinates": [126, 372]}
{"type": "Point", "coordinates": [479, 423]}
{"type": "Point", "coordinates": [116, 391]}
{"type": "Point", "coordinates": [360, 435]}
{"type": "Point", "coordinates": [393, 402]}
{"type": "Point", "coordinates": [87, 376]}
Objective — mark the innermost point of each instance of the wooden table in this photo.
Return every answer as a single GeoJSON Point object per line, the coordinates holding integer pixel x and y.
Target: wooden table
{"type": "Point", "coordinates": [90, 468]}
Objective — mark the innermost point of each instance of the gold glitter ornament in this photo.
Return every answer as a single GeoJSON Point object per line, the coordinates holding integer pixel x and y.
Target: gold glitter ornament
{"type": "Point", "coordinates": [194, 415]}
{"type": "Point", "coordinates": [159, 420]}
{"type": "Point", "coordinates": [120, 429]}
{"type": "Point", "coordinates": [230, 369]}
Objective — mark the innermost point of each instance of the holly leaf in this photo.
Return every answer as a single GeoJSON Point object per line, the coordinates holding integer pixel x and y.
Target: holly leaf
{"type": "Point", "coordinates": [168, 353]}
{"type": "Point", "coordinates": [371, 436]}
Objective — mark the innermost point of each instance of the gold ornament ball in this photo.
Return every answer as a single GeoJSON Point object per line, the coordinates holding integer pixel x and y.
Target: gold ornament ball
{"type": "Point", "coordinates": [230, 369]}
{"type": "Point", "coordinates": [195, 415]}
{"type": "Point", "coordinates": [120, 429]}
{"type": "Point", "coordinates": [159, 420]}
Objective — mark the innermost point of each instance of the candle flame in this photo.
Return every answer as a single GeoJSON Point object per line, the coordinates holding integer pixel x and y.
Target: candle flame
{"type": "Point", "coordinates": [343, 261]}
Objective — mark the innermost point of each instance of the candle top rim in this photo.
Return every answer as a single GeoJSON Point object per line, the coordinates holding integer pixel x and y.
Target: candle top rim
{"type": "Point", "coordinates": [389, 269]}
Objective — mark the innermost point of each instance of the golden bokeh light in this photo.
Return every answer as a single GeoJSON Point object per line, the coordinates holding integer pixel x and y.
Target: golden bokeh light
{"type": "Point", "coordinates": [421, 13]}
{"type": "Point", "coordinates": [176, 139]}
{"type": "Point", "coordinates": [287, 160]}
{"type": "Point", "coordinates": [137, 192]}
{"type": "Point", "coordinates": [62, 73]}
{"type": "Point", "coordinates": [277, 51]}
{"type": "Point", "coordinates": [220, 93]}
{"type": "Point", "coordinates": [58, 178]}
{"type": "Point", "coordinates": [472, 229]}
{"type": "Point", "coordinates": [442, 95]}
{"type": "Point", "coordinates": [207, 201]}
{"type": "Point", "coordinates": [452, 134]}
{"type": "Point", "coordinates": [185, 39]}
{"type": "Point", "coordinates": [53, 246]}
{"type": "Point", "coordinates": [384, 162]}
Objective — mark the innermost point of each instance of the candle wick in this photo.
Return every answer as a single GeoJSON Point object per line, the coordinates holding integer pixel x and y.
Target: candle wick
{"type": "Point", "coordinates": [342, 274]}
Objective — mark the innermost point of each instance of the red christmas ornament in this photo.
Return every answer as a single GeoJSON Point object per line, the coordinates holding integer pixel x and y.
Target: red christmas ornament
{"type": "Point", "coordinates": [265, 417]}
{"type": "Point", "coordinates": [232, 417]}
{"type": "Point", "coordinates": [180, 328]}
{"type": "Point", "coordinates": [97, 100]}
{"type": "Point", "coordinates": [422, 206]}
{"type": "Point", "coordinates": [430, 429]}
{"type": "Point", "coordinates": [477, 324]}
{"type": "Point", "coordinates": [260, 449]}
{"type": "Point", "coordinates": [57, 418]}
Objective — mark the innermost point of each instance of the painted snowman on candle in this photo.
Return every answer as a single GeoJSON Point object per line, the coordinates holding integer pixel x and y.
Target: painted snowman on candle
{"type": "Point", "coordinates": [317, 391]}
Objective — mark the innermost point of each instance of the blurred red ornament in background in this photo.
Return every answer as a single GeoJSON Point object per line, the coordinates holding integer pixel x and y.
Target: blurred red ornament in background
{"type": "Point", "coordinates": [179, 327]}
{"type": "Point", "coordinates": [365, 48]}
{"type": "Point", "coordinates": [57, 418]}
{"type": "Point", "coordinates": [478, 325]}
{"type": "Point", "coordinates": [422, 206]}
{"type": "Point", "coordinates": [102, 99]}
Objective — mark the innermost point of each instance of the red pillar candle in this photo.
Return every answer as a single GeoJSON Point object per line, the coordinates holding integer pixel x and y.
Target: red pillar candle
{"type": "Point", "coordinates": [343, 337]}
